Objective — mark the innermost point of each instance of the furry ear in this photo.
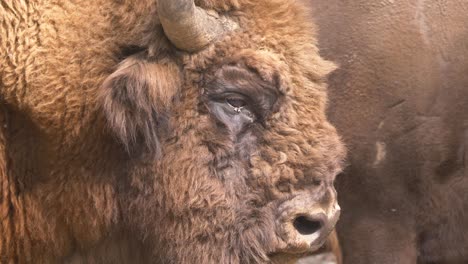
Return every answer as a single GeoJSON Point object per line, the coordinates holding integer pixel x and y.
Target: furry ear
{"type": "Point", "coordinates": [136, 99]}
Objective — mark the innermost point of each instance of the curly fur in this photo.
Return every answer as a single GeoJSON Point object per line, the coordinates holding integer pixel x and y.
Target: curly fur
{"type": "Point", "coordinates": [107, 151]}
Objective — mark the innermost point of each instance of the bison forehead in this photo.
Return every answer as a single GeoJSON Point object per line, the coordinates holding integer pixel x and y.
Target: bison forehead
{"type": "Point", "coordinates": [289, 36]}
{"type": "Point", "coordinates": [297, 145]}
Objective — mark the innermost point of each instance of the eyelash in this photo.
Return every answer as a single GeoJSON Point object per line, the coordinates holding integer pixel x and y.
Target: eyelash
{"type": "Point", "coordinates": [236, 102]}
{"type": "Point", "coordinates": [247, 109]}
{"type": "Point", "coordinates": [233, 99]}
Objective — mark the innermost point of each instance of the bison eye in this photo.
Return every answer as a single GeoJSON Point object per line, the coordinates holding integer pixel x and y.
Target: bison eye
{"type": "Point", "coordinates": [233, 109]}
{"type": "Point", "coordinates": [236, 102]}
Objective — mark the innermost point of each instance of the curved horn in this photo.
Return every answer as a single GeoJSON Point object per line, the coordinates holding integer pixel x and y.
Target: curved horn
{"type": "Point", "coordinates": [187, 26]}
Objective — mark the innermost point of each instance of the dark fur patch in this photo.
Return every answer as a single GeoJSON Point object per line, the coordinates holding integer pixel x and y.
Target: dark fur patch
{"type": "Point", "coordinates": [127, 51]}
{"type": "Point", "coordinates": [135, 100]}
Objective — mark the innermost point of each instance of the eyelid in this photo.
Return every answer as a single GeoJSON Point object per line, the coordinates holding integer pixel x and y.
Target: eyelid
{"type": "Point", "coordinates": [222, 97]}
{"type": "Point", "coordinates": [236, 102]}
{"type": "Point", "coordinates": [253, 106]}
{"type": "Point", "coordinates": [248, 109]}
{"type": "Point", "coordinates": [236, 96]}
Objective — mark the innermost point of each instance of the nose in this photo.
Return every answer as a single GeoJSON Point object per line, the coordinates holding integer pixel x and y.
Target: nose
{"type": "Point", "coordinates": [309, 227]}
{"type": "Point", "coordinates": [305, 224]}
{"type": "Point", "coordinates": [313, 229]}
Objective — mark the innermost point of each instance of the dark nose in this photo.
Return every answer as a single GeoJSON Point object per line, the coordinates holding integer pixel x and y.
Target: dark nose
{"type": "Point", "coordinates": [309, 225]}
{"type": "Point", "coordinates": [304, 224]}
{"type": "Point", "coordinates": [312, 228]}
{"type": "Point", "coordinates": [307, 231]}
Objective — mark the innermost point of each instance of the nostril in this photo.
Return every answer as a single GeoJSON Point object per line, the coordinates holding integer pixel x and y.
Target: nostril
{"type": "Point", "coordinates": [307, 226]}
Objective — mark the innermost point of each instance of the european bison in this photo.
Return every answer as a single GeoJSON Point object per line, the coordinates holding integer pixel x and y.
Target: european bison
{"type": "Point", "coordinates": [163, 132]}
{"type": "Point", "coordinates": [400, 100]}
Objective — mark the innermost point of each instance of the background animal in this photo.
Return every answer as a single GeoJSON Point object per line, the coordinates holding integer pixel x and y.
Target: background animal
{"type": "Point", "coordinates": [400, 101]}
{"type": "Point", "coordinates": [162, 132]}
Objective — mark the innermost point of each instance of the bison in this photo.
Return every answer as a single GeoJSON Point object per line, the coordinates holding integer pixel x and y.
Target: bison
{"type": "Point", "coordinates": [163, 132]}
{"type": "Point", "coordinates": [400, 101]}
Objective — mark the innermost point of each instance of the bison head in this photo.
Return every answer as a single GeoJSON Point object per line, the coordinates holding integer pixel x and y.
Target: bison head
{"type": "Point", "coordinates": [232, 159]}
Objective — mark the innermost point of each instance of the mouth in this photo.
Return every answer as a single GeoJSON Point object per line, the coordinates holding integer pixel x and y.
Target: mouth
{"type": "Point", "coordinates": [286, 258]}
{"type": "Point", "coordinates": [290, 258]}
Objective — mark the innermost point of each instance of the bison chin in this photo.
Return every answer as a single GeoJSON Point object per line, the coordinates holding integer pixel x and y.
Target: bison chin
{"type": "Point", "coordinates": [285, 259]}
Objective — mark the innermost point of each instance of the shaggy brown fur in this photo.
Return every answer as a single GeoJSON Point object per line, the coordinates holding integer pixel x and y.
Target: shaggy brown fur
{"type": "Point", "coordinates": [400, 100]}
{"type": "Point", "coordinates": [198, 185]}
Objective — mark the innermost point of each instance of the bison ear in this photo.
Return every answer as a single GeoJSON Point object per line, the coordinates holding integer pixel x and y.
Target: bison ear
{"type": "Point", "coordinates": [136, 99]}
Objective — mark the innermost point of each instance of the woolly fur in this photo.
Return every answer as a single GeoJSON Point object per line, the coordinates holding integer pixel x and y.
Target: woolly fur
{"type": "Point", "coordinates": [70, 189]}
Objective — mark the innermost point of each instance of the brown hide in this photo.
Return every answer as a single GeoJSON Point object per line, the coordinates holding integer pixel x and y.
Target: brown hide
{"type": "Point", "coordinates": [116, 147]}
{"type": "Point", "coordinates": [400, 100]}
